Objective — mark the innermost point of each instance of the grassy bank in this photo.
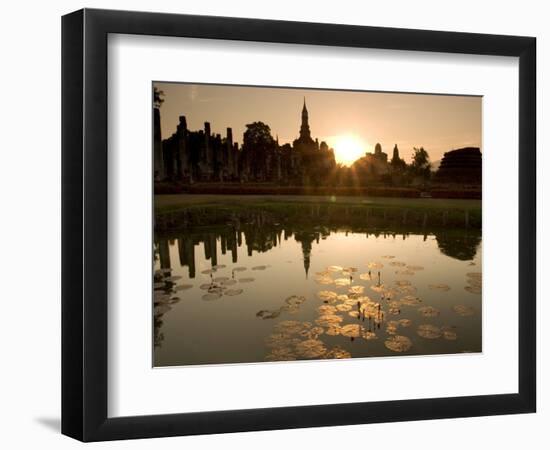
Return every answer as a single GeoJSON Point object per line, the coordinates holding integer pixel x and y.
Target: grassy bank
{"type": "Point", "coordinates": [175, 211]}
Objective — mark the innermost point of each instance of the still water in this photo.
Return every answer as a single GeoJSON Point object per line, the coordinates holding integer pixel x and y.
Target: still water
{"type": "Point", "coordinates": [275, 293]}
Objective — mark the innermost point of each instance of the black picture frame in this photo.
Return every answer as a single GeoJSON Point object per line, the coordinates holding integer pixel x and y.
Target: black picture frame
{"type": "Point", "coordinates": [84, 224]}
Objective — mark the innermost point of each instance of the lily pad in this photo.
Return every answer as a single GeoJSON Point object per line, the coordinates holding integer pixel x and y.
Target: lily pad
{"type": "Point", "coordinates": [208, 271]}
{"type": "Point", "coordinates": [398, 344]}
{"type": "Point", "coordinates": [402, 283]}
{"type": "Point", "coordinates": [183, 287]}
{"type": "Point", "coordinates": [246, 280]}
{"type": "Point", "coordinates": [375, 265]}
{"type": "Point", "coordinates": [429, 331]}
{"type": "Point", "coordinates": [415, 268]}
{"type": "Point", "coordinates": [397, 264]}
{"type": "Point", "coordinates": [324, 280]}
{"type": "Point", "coordinates": [335, 268]}
{"type": "Point", "coordinates": [239, 269]}
{"type": "Point", "coordinates": [440, 287]}
{"type": "Point", "coordinates": [220, 279]}
{"type": "Point", "coordinates": [288, 327]}
{"type": "Point", "coordinates": [449, 335]}
{"type": "Point", "coordinates": [232, 292]}
{"type": "Point", "coordinates": [337, 353]}
{"type": "Point", "coordinates": [267, 314]}
{"type": "Point", "coordinates": [211, 296]}
{"type": "Point", "coordinates": [229, 282]}
{"type": "Point", "coordinates": [404, 272]}
{"type": "Point", "coordinates": [410, 300]}
{"type": "Point", "coordinates": [405, 323]}
{"type": "Point", "coordinates": [365, 276]}
{"type": "Point", "coordinates": [429, 311]}
{"type": "Point", "coordinates": [356, 289]}
{"type": "Point", "coordinates": [328, 320]}
{"type": "Point", "coordinates": [463, 310]}
{"type": "Point", "coordinates": [281, 354]}
{"type": "Point", "coordinates": [343, 307]}
{"type": "Point", "coordinates": [369, 335]}
{"type": "Point", "coordinates": [388, 257]}
{"type": "Point", "coordinates": [473, 289]}
{"type": "Point", "coordinates": [342, 282]}
{"type": "Point", "coordinates": [333, 330]}
{"type": "Point", "coordinates": [311, 348]}
{"type": "Point", "coordinates": [295, 300]}
{"type": "Point", "coordinates": [259, 267]}
{"type": "Point", "coordinates": [351, 330]}
{"type": "Point", "coordinates": [328, 296]}
{"type": "Point", "coordinates": [326, 309]}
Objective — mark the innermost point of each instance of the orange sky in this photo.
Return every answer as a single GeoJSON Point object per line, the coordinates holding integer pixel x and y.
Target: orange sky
{"type": "Point", "coordinates": [437, 122]}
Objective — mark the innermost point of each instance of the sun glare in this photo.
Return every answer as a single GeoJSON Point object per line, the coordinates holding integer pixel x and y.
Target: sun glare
{"type": "Point", "coordinates": [347, 149]}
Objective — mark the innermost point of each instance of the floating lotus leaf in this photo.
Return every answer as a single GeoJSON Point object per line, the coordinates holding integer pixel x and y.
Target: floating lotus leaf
{"type": "Point", "coordinates": [232, 292]}
{"type": "Point", "coordinates": [211, 296]}
{"type": "Point", "coordinates": [174, 300]}
{"type": "Point", "coordinates": [397, 264]}
{"type": "Point", "coordinates": [280, 354]}
{"type": "Point", "coordinates": [327, 320]}
{"type": "Point", "coordinates": [474, 275]}
{"type": "Point", "coordinates": [410, 300]}
{"type": "Point", "coordinates": [398, 344]}
{"type": "Point", "coordinates": [342, 282]}
{"type": "Point", "coordinates": [327, 295]}
{"type": "Point", "coordinates": [157, 286]}
{"type": "Point", "coordinates": [326, 309]}
{"type": "Point", "coordinates": [464, 310]}
{"type": "Point", "coordinates": [333, 330]}
{"type": "Point", "coordinates": [161, 309]}
{"type": "Point", "coordinates": [335, 268]}
{"type": "Point", "coordinates": [375, 265]}
{"type": "Point", "coordinates": [312, 333]}
{"type": "Point", "coordinates": [220, 279]}
{"type": "Point", "coordinates": [449, 335]}
{"type": "Point", "coordinates": [369, 335]}
{"type": "Point", "coordinates": [342, 298]}
{"type": "Point", "coordinates": [208, 271]}
{"type": "Point", "coordinates": [391, 327]}
{"type": "Point", "coordinates": [288, 327]}
{"type": "Point", "coordinates": [380, 288]}
{"type": "Point", "coordinates": [229, 282]}
{"type": "Point", "coordinates": [405, 323]}
{"type": "Point", "coordinates": [440, 287]}
{"type": "Point", "coordinates": [429, 311]}
{"type": "Point", "coordinates": [429, 331]}
{"type": "Point", "coordinates": [356, 314]}
{"type": "Point", "coordinates": [351, 269]}
{"type": "Point", "coordinates": [281, 341]}
{"type": "Point", "coordinates": [473, 289]}
{"type": "Point", "coordinates": [324, 273]}
{"type": "Point", "coordinates": [365, 276]}
{"type": "Point", "coordinates": [388, 257]}
{"type": "Point", "coordinates": [404, 272]}
{"type": "Point", "coordinates": [239, 269]}
{"type": "Point", "coordinates": [411, 290]}
{"type": "Point", "coordinates": [324, 280]}
{"type": "Point", "coordinates": [311, 348]}
{"type": "Point", "coordinates": [292, 309]}
{"type": "Point", "coordinates": [206, 286]}
{"type": "Point", "coordinates": [356, 289]}
{"type": "Point", "coordinates": [343, 307]}
{"type": "Point", "coordinates": [183, 287]}
{"type": "Point", "coordinates": [219, 266]}
{"type": "Point", "coordinates": [394, 311]}
{"type": "Point", "coordinates": [246, 280]}
{"type": "Point", "coordinates": [266, 314]}
{"type": "Point", "coordinates": [351, 330]}
{"type": "Point", "coordinates": [259, 267]}
{"type": "Point", "coordinates": [402, 283]}
{"type": "Point", "coordinates": [337, 353]}
{"type": "Point", "coordinates": [415, 268]}
{"type": "Point", "coordinates": [295, 300]}
{"type": "Point", "coordinates": [172, 278]}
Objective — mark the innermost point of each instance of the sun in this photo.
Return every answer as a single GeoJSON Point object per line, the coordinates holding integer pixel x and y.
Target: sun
{"type": "Point", "coordinates": [348, 149]}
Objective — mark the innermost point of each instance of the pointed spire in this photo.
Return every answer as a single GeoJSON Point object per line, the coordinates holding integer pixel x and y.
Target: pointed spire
{"type": "Point", "coordinates": [304, 108]}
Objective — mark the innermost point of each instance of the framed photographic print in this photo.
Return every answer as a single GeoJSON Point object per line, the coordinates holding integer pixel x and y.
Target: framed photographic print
{"type": "Point", "coordinates": [274, 224]}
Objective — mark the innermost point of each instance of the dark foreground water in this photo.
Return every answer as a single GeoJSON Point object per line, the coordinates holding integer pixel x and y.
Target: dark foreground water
{"type": "Point", "coordinates": [282, 293]}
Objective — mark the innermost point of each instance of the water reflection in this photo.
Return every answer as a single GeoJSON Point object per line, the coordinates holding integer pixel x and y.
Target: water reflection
{"type": "Point", "coordinates": [242, 292]}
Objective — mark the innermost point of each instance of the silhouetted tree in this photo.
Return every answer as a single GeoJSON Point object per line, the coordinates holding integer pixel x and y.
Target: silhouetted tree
{"type": "Point", "coordinates": [420, 165]}
{"type": "Point", "coordinates": [259, 149]}
{"type": "Point", "coordinates": [158, 97]}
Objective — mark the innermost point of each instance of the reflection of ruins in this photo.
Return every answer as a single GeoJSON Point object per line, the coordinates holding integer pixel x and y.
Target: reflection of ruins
{"type": "Point", "coordinates": [458, 244]}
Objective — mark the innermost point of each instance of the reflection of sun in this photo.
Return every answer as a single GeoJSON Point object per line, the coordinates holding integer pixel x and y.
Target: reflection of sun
{"type": "Point", "coordinates": [347, 149]}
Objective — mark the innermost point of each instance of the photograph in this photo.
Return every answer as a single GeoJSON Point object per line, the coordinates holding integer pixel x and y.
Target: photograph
{"type": "Point", "coordinates": [309, 224]}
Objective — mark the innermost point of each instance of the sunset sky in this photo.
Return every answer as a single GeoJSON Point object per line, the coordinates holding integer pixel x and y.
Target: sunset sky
{"type": "Point", "coordinates": [350, 122]}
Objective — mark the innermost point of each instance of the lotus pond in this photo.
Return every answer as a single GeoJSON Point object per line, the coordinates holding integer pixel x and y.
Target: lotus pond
{"type": "Point", "coordinates": [255, 292]}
